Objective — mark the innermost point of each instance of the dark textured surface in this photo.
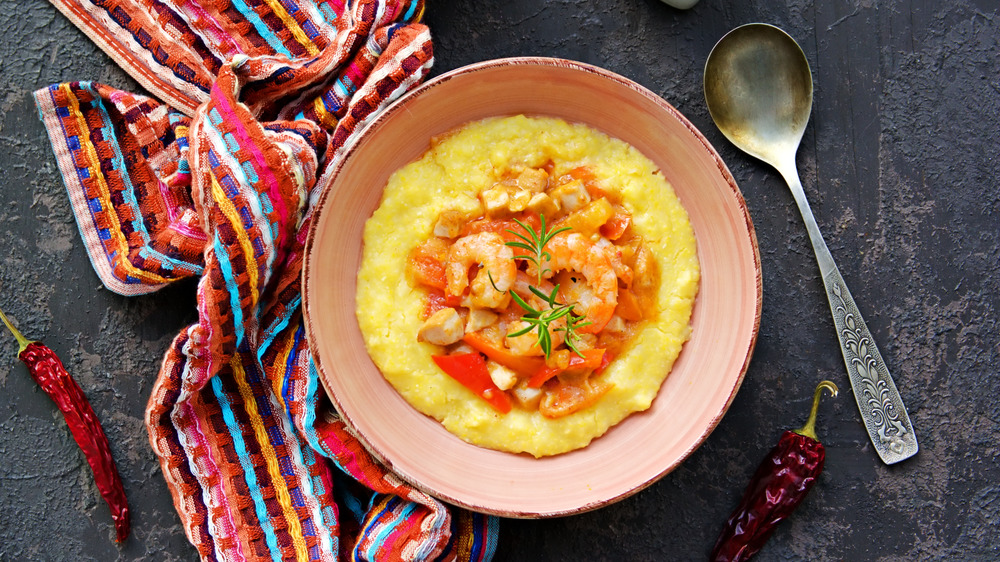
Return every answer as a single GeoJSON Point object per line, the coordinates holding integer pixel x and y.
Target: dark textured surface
{"type": "Point", "coordinates": [900, 162]}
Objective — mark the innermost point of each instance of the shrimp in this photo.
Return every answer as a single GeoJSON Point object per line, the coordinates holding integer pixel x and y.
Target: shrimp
{"type": "Point", "coordinates": [495, 276]}
{"type": "Point", "coordinates": [575, 252]}
{"type": "Point", "coordinates": [527, 344]}
{"type": "Point", "coordinates": [623, 271]}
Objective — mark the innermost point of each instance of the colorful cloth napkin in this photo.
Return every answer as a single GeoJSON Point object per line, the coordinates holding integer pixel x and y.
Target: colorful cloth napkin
{"type": "Point", "coordinates": [215, 177]}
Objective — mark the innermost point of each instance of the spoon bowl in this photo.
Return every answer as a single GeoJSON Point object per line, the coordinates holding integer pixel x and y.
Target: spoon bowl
{"type": "Point", "coordinates": [759, 91]}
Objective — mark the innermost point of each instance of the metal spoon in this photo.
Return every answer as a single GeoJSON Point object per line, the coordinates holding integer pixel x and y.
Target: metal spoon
{"type": "Point", "coordinates": [758, 88]}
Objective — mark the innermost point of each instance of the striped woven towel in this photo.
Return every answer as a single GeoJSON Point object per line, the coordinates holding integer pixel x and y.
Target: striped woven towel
{"type": "Point", "coordinates": [214, 176]}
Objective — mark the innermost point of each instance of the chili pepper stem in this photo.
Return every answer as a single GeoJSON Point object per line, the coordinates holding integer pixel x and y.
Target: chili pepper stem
{"type": "Point", "coordinates": [22, 341]}
{"type": "Point", "coordinates": [809, 429]}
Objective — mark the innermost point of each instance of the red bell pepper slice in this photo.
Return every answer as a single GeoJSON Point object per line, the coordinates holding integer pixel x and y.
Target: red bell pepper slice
{"type": "Point", "coordinates": [593, 359]}
{"type": "Point", "coordinates": [469, 369]}
{"type": "Point", "coordinates": [527, 366]}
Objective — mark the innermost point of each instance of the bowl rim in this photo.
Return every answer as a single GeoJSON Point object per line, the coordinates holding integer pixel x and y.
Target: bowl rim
{"type": "Point", "coordinates": [328, 179]}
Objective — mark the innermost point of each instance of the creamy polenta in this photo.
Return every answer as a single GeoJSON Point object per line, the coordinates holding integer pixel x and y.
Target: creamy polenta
{"type": "Point", "coordinates": [451, 178]}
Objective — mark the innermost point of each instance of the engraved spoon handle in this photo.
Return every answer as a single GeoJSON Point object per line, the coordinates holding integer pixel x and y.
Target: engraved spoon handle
{"type": "Point", "coordinates": [878, 400]}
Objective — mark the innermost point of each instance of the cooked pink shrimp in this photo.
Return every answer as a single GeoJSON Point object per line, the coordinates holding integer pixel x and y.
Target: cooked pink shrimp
{"type": "Point", "coordinates": [496, 261]}
{"type": "Point", "coordinates": [575, 252]}
{"type": "Point", "coordinates": [521, 284]}
{"type": "Point", "coordinates": [623, 271]}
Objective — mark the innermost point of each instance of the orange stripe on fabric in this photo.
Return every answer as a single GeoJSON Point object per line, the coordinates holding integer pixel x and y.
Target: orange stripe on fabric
{"type": "Point", "coordinates": [94, 165]}
{"type": "Point", "coordinates": [280, 486]}
{"type": "Point", "coordinates": [227, 208]}
{"type": "Point", "coordinates": [293, 26]}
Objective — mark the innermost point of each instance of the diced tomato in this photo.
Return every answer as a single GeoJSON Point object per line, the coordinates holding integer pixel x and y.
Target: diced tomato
{"type": "Point", "coordinates": [435, 302]}
{"type": "Point", "coordinates": [426, 264]}
{"type": "Point", "coordinates": [586, 175]}
{"type": "Point", "coordinates": [527, 366]}
{"type": "Point", "coordinates": [469, 369]}
{"type": "Point", "coordinates": [592, 360]}
{"type": "Point", "coordinates": [628, 306]}
{"type": "Point", "coordinates": [503, 226]}
{"type": "Point", "coordinates": [616, 225]}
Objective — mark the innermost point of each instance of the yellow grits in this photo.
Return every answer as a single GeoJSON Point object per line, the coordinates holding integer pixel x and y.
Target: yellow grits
{"type": "Point", "coordinates": [449, 176]}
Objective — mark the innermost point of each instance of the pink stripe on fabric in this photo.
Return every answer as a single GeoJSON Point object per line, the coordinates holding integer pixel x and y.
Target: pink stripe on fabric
{"type": "Point", "coordinates": [214, 495]}
{"type": "Point", "coordinates": [349, 464]}
{"type": "Point", "coordinates": [218, 35]}
{"type": "Point", "coordinates": [185, 229]}
{"type": "Point", "coordinates": [401, 527]}
{"type": "Point", "coordinates": [164, 190]}
{"type": "Point", "coordinates": [263, 170]}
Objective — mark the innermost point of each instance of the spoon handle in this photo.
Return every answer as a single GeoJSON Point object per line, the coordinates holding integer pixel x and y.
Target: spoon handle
{"type": "Point", "coordinates": [878, 400]}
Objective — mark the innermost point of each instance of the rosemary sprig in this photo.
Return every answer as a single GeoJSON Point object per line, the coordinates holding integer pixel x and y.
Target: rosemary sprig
{"type": "Point", "coordinates": [541, 320]}
{"type": "Point", "coordinates": [534, 243]}
{"type": "Point", "coordinates": [573, 323]}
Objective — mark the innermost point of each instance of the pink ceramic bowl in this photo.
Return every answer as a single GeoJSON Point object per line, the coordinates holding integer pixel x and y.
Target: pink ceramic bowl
{"type": "Point", "coordinates": [636, 452]}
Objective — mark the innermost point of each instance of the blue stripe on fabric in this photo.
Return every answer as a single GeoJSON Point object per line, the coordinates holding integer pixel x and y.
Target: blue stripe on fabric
{"type": "Point", "coordinates": [231, 143]}
{"type": "Point", "coordinates": [272, 331]}
{"type": "Point", "coordinates": [265, 200]}
{"type": "Point", "coordinates": [310, 30]}
{"type": "Point", "coordinates": [329, 16]}
{"type": "Point", "coordinates": [315, 482]}
{"type": "Point", "coordinates": [391, 526]}
{"type": "Point", "coordinates": [249, 170]}
{"type": "Point", "coordinates": [389, 505]}
{"type": "Point", "coordinates": [234, 292]}
{"type": "Point", "coordinates": [292, 355]}
{"type": "Point", "coordinates": [340, 88]}
{"type": "Point", "coordinates": [490, 536]}
{"type": "Point", "coordinates": [261, 28]}
{"type": "Point", "coordinates": [170, 263]}
{"type": "Point", "coordinates": [248, 470]}
{"type": "Point", "coordinates": [411, 11]}
{"type": "Point", "coordinates": [118, 161]}
{"type": "Point", "coordinates": [309, 420]}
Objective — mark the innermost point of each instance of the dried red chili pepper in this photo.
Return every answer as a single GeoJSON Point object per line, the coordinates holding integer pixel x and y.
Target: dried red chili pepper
{"type": "Point", "coordinates": [780, 484]}
{"type": "Point", "coordinates": [50, 374]}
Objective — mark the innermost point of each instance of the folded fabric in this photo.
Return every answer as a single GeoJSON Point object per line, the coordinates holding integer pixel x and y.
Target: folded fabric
{"type": "Point", "coordinates": [214, 177]}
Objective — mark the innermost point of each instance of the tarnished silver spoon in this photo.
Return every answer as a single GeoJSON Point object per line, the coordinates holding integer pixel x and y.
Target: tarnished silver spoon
{"type": "Point", "coordinates": [759, 90]}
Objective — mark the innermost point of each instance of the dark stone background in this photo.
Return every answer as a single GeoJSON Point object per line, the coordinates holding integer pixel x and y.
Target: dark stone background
{"type": "Point", "coordinates": [900, 165]}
